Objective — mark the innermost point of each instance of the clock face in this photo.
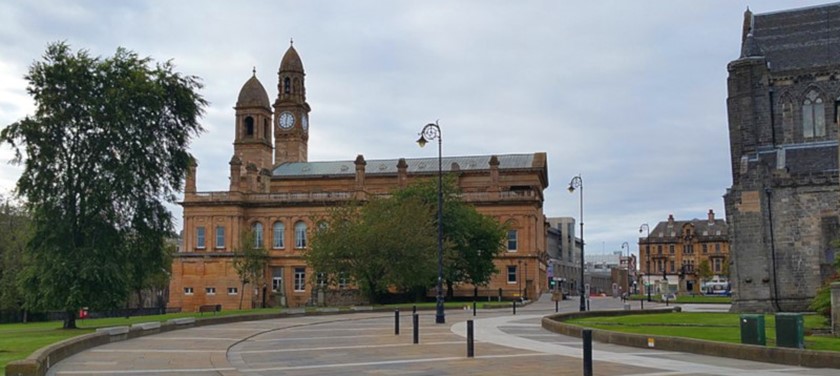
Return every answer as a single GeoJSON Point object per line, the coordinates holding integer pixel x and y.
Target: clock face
{"type": "Point", "coordinates": [287, 120]}
{"type": "Point", "coordinates": [304, 122]}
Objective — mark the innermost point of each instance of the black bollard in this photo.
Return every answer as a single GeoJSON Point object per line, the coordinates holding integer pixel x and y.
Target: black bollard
{"type": "Point", "coordinates": [396, 322]}
{"type": "Point", "coordinates": [474, 308]}
{"type": "Point", "coordinates": [587, 352]}
{"type": "Point", "coordinates": [416, 328]}
{"type": "Point", "coordinates": [514, 307]}
{"type": "Point", "coordinates": [470, 342]}
{"type": "Point", "coordinates": [556, 306]}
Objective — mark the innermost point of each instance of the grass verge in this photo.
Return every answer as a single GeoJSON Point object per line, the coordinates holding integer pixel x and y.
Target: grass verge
{"type": "Point", "coordinates": [723, 327]}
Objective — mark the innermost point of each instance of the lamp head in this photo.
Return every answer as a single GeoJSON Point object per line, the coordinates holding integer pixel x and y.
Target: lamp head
{"type": "Point", "coordinates": [422, 141]}
{"type": "Point", "coordinates": [571, 188]}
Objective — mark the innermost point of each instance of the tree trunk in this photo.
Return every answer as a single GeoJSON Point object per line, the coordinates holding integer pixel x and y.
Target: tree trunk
{"type": "Point", "coordinates": [450, 291]}
{"type": "Point", "coordinates": [241, 295]}
{"type": "Point", "coordinates": [70, 319]}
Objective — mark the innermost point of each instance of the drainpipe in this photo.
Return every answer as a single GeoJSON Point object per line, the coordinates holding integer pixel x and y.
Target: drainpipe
{"type": "Point", "coordinates": [768, 191]}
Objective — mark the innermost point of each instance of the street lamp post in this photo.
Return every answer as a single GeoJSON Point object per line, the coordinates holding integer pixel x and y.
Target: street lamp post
{"type": "Point", "coordinates": [645, 226]}
{"type": "Point", "coordinates": [430, 132]}
{"type": "Point", "coordinates": [627, 245]}
{"type": "Point", "coordinates": [577, 182]}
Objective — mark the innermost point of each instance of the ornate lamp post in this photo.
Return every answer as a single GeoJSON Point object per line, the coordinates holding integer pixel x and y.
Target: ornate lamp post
{"type": "Point", "coordinates": [430, 132]}
{"type": "Point", "coordinates": [577, 182]}
{"type": "Point", "coordinates": [645, 226]}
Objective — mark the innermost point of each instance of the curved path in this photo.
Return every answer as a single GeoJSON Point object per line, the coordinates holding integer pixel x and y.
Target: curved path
{"type": "Point", "coordinates": [365, 343]}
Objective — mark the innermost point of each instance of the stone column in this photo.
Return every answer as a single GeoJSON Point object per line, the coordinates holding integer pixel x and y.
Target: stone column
{"type": "Point", "coordinates": [835, 309]}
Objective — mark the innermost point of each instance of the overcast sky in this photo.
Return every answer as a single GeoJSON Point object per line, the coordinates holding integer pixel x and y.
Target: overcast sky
{"type": "Point", "coordinates": [630, 94]}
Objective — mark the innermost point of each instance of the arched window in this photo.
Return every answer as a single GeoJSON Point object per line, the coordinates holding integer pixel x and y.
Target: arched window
{"type": "Point", "coordinates": [287, 85]}
{"type": "Point", "coordinates": [813, 116]}
{"type": "Point", "coordinates": [258, 235]}
{"type": "Point", "coordinates": [279, 235]}
{"type": "Point", "coordinates": [249, 126]}
{"type": "Point", "coordinates": [300, 235]}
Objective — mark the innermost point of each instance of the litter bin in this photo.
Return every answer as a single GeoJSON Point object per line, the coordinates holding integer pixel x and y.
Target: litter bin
{"type": "Point", "coordinates": [790, 330]}
{"type": "Point", "coordinates": [752, 330]}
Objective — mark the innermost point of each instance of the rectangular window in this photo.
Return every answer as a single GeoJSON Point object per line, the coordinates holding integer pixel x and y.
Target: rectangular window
{"type": "Point", "coordinates": [210, 290]}
{"type": "Point", "coordinates": [705, 248]}
{"type": "Point", "coordinates": [511, 274]}
{"type": "Point", "coordinates": [321, 279]}
{"type": "Point", "coordinates": [233, 291]}
{"type": "Point", "coordinates": [659, 249]}
{"type": "Point", "coordinates": [220, 236]}
{"type": "Point", "coordinates": [188, 290]}
{"type": "Point", "coordinates": [300, 279]}
{"type": "Point", "coordinates": [717, 247]}
{"type": "Point", "coordinates": [671, 249]}
{"type": "Point", "coordinates": [673, 267]}
{"type": "Point", "coordinates": [277, 280]}
{"type": "Point", "coordinates": [717, 265]}
{"type": "Point", "coordinates": [200, 237]}
{"type": "Point", "coordinates": [511, 240]}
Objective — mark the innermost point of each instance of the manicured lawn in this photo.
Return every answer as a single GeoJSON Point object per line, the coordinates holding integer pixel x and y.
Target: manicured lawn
{"type": "Point", "coordinates": [724, 327]}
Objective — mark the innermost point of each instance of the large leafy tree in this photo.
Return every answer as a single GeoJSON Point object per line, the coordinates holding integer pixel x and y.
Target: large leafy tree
{"type": "Point", "coordinates": [471, 240]}
{"type": "Point", "coordinates": [14, 233]}
{"type": "Point", "coordinates": [249, 261]}
{"type": "Point", "coordinates": [385, 243]}
{"type": "Point", "coordinates": [105, 148]}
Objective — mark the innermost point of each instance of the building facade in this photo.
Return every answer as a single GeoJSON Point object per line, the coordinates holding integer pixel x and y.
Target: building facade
{"type": "Point", "coordinates": [782, 207]}
{"type": "Point", "coordinates": [279, 196]}
{"type": "Point", "coordinates": [671, 255]}
{"type": "Point", "coordinates": [564, 253]}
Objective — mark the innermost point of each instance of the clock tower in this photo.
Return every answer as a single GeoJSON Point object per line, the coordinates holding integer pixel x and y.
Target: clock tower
{"type": "Point", "coordinates": [291, 112]}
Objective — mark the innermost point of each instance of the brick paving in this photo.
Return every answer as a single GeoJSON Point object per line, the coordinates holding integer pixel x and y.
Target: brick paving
{"type": "Point", "coordinates": [365, 344]}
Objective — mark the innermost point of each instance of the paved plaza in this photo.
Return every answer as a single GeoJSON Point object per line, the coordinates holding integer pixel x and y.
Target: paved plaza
{"type": "Point", "coordinates": [365, 343]}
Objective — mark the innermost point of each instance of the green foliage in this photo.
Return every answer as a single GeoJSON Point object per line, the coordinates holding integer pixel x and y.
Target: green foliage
{"type": "Point", "coordinates": [15, 230]}
{"type": "Point", "coordinates": [471, 239]}
{"type": "Point", "coordinates": [249, 261]}
{"type": "Point", "coordinates": [822, 300]}
{"type": "Point", "coordinates": [106, 147]}
{"type": "Point", "coordinates": [385, 243]}
{"type": "Point", "coordinates": [704, 271]}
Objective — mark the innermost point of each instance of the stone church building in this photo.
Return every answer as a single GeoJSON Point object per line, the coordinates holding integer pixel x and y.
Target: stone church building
{"type": "Point", "coordinates": [279, 196]}
{"type": "Point", "coordinates": [782, 208]}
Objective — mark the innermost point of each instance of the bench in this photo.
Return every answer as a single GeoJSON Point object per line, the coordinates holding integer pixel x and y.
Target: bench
{"type": "Point", "coordinates": [210, 308]}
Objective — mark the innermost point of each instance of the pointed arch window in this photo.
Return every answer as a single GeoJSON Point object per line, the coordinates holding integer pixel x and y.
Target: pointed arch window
{"type": "Point", "coordinates": [300, 235]}
{"type": "Point", "coordinates": [279, 236]}
{"type": "Point", "coordinates": [813, 116]}
{"type": "Point", "coordinates": [287, 85]}
{"type": "Point", "coordinates": [258, 235]}
{"type": "Point", "coordinates": [249, 126]}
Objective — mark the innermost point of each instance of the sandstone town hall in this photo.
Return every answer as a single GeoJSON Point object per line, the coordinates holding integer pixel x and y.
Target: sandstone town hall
{"type": "Point", "coordinates": [280, 197]}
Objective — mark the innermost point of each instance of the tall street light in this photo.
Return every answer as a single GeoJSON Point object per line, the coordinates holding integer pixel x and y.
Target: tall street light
{"type": "Point", "coordinates": [643, 227]}
{"type": "Point", "coordinates": [627, 245]}
{"type": "Point", "coordinates": [577, 182]}
{"type": "Point", "coordinates": [430, 132]}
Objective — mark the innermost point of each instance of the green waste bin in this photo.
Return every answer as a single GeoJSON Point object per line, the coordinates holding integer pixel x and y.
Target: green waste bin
{"type": "Point", "coordinates": [790, 330]}
{"type": "Point", "coordinates": [752, 330]}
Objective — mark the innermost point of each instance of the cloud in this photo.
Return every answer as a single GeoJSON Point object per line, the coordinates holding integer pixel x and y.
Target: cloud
{"type": "Point", "coordinates": [629, 94]}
